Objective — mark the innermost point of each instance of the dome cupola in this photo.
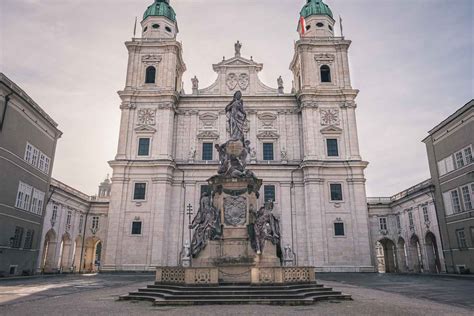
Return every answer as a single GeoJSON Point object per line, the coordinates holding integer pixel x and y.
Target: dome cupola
{"type": "Point", "coordinates": [315, 7]}
{"type": "Point", "coordinates": [160, 8]}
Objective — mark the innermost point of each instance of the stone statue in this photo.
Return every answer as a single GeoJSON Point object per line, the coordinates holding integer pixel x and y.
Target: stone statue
{"type": "Point", "coordinates": [195, 82]}
{"type": "Point", "coordinates": [236, 116]}
{"type": "Point", "coordinates": [192, 154]}
{"type": "Point", "coordinates": [238, 47]}
{"type": "Point", "coordinates": [206, 225]}
{"type": "Point", "coordinates": [280, 85]}
{"type": "Point", "coordinates": [186, 256]}
{"type": "Point", "coordinates": [288, 256]}
{"type": "Point", "coordinates": [284, 155]}
{"type": "Point", "coordinates": [266, 227]}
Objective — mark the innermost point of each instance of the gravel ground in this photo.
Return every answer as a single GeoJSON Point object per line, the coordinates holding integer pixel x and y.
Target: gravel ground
{"type": "Point", "coordinates": [97, 295]}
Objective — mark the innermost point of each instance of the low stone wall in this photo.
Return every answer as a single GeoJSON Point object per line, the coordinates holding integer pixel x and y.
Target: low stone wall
{"type": "Point", "coordinates": [283, 275]}
{"type": "Point", "coordinates": [188, 276]}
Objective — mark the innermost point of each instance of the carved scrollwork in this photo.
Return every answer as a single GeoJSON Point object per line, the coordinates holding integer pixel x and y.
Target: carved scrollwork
{"type": "Point", "coordinates": [151, 59]}
{"type": "Point", "coordinates": [324, 58]}
{"type": "Point", "coordinates": [330, 116]}
{"type": "Point", "coordinates": [147, 116]}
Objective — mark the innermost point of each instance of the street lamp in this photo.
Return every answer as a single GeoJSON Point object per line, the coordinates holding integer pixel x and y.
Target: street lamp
{"type": "Point", "coordinates": [189, 212]}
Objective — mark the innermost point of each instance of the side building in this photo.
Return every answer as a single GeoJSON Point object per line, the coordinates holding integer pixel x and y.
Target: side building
{"type": "Point", "coordinates": [28, 138]}
{"type": "Point", "coordinates": [75, 227]}
{"type": "Point", "coordinates": [404, 231]}
{"type": "Point", "coordinates": [450, 156]}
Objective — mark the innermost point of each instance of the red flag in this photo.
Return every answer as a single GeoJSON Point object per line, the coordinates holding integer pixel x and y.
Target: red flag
{"type": "Point", "coordinates": [302, 25]}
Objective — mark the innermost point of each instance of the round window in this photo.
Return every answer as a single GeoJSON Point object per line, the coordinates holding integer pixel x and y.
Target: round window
{"type": "Point", "coordinates": [308, 27]}
{"type": "Point", "coordinates": [319, 24]}
{"type": "Point", "coordinates": [155, 26]}
{"type": "Point", "coordinates": [330, 27]}
{"type": "Point", "coordinates": [168, 29]}
{"type": "Point", "coordinates": [145, 29]}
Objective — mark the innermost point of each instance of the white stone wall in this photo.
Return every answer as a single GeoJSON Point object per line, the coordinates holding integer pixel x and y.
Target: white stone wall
{"type": "Point", "coordinates": [406, 234]}
{"type": "Point", "coordinates": [297, 125]}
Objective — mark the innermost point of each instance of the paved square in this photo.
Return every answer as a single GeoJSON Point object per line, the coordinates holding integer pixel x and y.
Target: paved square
{"type": "Point", "coordinates": [373, 294]}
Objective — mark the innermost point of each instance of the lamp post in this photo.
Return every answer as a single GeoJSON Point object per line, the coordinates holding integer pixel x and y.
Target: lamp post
{"type": "Point", "coordinates": [189, 212]}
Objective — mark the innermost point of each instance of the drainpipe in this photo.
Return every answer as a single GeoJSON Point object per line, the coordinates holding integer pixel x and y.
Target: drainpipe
{"type": "Point", "coordinates": [7, 98]}
{"type": "Point", "coordinates": [83, 238]}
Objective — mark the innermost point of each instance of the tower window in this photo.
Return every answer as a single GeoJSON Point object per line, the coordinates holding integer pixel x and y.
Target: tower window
{"type": "Point", "coordinates": [268, 151]}
{"type": "Point", "coordinates": [168, 29]}
{"type": "Point", "coordinates": [155, 26]}
{"type": "Point", "coordinates": [325, 73]}
{"type": "Point", "coordinates": [336, 192]}
{"type": "Point", "coordinates": [150, 74]}
{"type": "Point", "coordinates": [145, 29]}
{"type": "Point", "coordinates": [319, 24]}
{"type": "Point", "coordinates": [332, 147]}
{"type": "Point", "coordinates": [143, 146]}
{"type": "Point", "coordinates": [136, 228]}
{"type": "Point", "coordinates": [207, 151]}
{"type": "Point", "coordinates": [139, 193]}
{"type": "Point", "coordinates": [269, 193]}
{"type": "Point", "coordinates": [339, 229]}
{"type": "Point", "coordinates": [330, 27]}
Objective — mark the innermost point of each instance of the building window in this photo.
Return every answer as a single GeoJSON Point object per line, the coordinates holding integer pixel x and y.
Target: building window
{"type": "Point", "coordinates": [47, 162]}
{"type": "Point", "coordinates": [140, 191]}
{"type": "Point", "coordinates": [168, 29]}
{"type": "Point", "coordinates": [143, 147]}
{"type": "Point", "coordinates": [399, 223]}
{"type": "Point", "coordinates": [207, 151]}
{"type": "Point", "coordinates": [325, 73]}
{"type": "Point", "coordinates": [37, 202]}
{"type": "Point", "coordinates": [269, 193]}
{"type": "Point", "coordinates": [446, 165]}
{"type": "Point", "coordinates": [410, 219]}
{"type": "Point", "coordinates": [461, 238]}
{"type": "Point", "coordinates": [319, 24]}
{"type": "Point", "coordinates": [333, 150]}
{"type": "Point", "coordinates": [17, 238]}
{"type": "Point", "coordinates": [68, 219]}
{"type": "Point", "coordinates": [155, 26]}
{"type": "Point", "coordinates": [35, 157]}
{"type": "Point", "coordinates": [54, 216]}
{"type": "Point", "coordinates": [466, 197]}
{"type": "Point", "coordinates": [150, 76]}
{"type": "Point", "coordinates": [136, 228]}
{"type": "Point", "coordinates": [339, 229]}
{"type": "Point", "coordinates": [468, 155]}
{"type": "Point", "coordinates": [336, 191]}
{"type": "Point", "coordinates": [24, 196]}
{"type": "Point", "coordinates": [426, 215]}
{"type": "Point", "coordinates": [472, 235]}
{"type": "Point", "coordinates": [28, 153]}
{"type": "Point", "coordinates": [81, 223]}
{"type": "Point", "coordinates": [459, 159]}
{"type": "Point", "coordinates": [29, 239]}
{"type": "Point", "coordinates": [205, 189]}
{"type": "Point", "coordinates": [456, 203]}
{"type": "Point", "coordinates": [383, 223]}
{"type": "Point", "coordinates": [95, 223]}
{"type": "Point", "coordinates": [268, 152]}
{"type": "Point", "coordinates": [41, 162]}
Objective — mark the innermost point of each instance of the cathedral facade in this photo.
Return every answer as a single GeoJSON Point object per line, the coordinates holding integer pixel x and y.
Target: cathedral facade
{"type": "Point", "coordinates": [304, 146]}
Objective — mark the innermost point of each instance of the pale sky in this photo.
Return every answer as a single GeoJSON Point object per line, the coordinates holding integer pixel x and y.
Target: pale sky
{"type": "Point", "coordinates": [411, 59]}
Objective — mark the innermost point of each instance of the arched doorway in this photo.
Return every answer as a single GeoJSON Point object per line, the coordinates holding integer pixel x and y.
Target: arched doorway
{"type": "Point", "coordinates": [65, 254]}
{"type": "Point", "coordinates": [402, 255]}
{"type": "Point", "coordinates": [434, 264]}
{"type": "Point", "coordinates": [92, 255]}
{"type": "Point", "coordinates": [49, 250]}
{"type": "Point", "coordinates": [415, 256]}
{"type": "Point", "coordinates": [386, 255]}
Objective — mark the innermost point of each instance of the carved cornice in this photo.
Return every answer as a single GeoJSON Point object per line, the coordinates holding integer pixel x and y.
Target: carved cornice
{"type": "Point", "coordinates": [309, 104]}
{"type": "Point", "coordinates": [151, 59]}
{"type": "Point", "coordinates": [323, 59]}
{"type": "Point", "coordinates": [268, 135]}
{"type": "Point", "coordinates": [208, 135]}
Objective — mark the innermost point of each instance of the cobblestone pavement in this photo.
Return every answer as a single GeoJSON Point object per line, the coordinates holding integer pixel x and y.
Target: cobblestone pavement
{"type": "Point", "coordinates": [97, 294]}
{"type": "Point", "coordinates": [452, 290]}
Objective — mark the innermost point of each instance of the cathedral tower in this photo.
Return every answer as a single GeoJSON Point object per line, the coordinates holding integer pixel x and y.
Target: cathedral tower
{"type": "Point", "coordinates": [144, 164]}
{"type": "Point", "coordinates": [333, 170]}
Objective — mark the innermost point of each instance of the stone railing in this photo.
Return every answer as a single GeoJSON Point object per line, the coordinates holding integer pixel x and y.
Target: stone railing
{"type": "Point", "coordinates": [170, 275]}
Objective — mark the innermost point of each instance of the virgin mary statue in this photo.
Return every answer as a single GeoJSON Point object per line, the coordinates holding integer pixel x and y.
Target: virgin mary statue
{"type": "Point", "coordinates": [236, 117]}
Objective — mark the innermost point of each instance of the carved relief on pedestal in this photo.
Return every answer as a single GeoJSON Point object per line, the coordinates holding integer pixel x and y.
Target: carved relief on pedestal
{"type": "Point", "coordinates": [330, 116]}
{"type": "Point", "coordinates": [235, 210]}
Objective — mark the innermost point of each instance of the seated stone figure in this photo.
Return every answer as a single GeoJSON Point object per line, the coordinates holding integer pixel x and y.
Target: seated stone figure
{"type": "Point", "coordinates": [266, 227]}
{"type": "Point", "coordinates": [206, 225]}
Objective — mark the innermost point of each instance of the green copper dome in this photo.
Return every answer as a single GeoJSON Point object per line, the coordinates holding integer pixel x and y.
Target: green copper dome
{"type": "Point", "coordinates": [160, 8]}
{"type": "Point", "coordinates": [315, 7]}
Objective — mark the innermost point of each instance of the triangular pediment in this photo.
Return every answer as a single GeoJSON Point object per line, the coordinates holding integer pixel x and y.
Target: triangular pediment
{"type": "Point", "coordinates": [237, 62]}
{"type": "Point", "coordinates": [145, 129]}
{"type": "Point", "coordinates": [331, 130]}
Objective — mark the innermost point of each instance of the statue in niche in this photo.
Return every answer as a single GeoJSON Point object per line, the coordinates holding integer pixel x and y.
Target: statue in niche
{"type": "Point", "coordinates": [236, 116]}
{"type": "Point", "coordinates": [207, 225]}
{"type": "Point", "coordinates": [266, 227]}
{"type": "Point", "coordinates": [238, 47]}
{"type": "Point", "coordinates": [288, 257]}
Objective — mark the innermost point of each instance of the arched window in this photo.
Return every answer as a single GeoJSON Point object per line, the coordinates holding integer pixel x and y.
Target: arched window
{"type": "Point", "coordinates": [150, 75]}
{"type": "Point", "coordinates": [325, 73]}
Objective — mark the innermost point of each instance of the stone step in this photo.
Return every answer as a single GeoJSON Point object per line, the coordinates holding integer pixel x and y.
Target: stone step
{"type": "Point", "coordinates": [237, 287]}
{"type": "Point", "coordinates": [234, 292]}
